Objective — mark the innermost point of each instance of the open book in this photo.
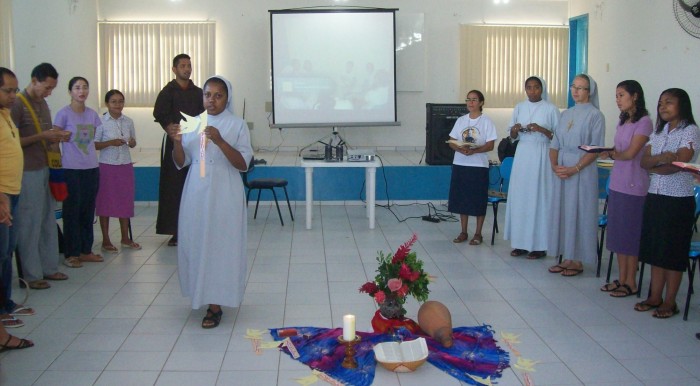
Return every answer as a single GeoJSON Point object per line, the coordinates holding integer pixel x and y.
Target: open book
{"type": "Point", "coordinates": [688, 167]}
{"type": "Point", "coordinates": [395, 352]}
{"type": "Point", "coordinates": [462, 143]}
{"type": "Point", "coordinates": [595, 149]}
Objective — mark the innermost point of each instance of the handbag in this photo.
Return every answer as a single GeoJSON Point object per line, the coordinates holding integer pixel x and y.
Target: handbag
{"type": "Point", "coordinates": [57, 179]}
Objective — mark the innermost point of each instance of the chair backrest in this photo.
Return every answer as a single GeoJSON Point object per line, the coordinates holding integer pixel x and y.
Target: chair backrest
{"type": "Point", "coordinates": [506, 168]}
{"type": "Point", "coordinates": [244, 175]}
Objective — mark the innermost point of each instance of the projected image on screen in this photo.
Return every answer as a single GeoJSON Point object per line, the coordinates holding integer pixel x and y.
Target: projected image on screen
{"type": "Point", "coordinates": [333, 68]}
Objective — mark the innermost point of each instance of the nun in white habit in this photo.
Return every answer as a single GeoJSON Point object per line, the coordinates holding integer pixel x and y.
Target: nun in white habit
{"type": "Point", "coordinates": [213, 219]}
{"type": "Point", "coordinates": [574, 206]}
{"type": "Point", "coordinates": [530, 185]}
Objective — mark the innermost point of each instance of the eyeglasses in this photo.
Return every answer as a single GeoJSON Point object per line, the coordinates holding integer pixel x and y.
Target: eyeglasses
{"type": "Point", "coordinates": [472, 100]}
{"type": "Point", "coordinates": [217, 96]}
{"type": "Point", "coordinates": [10, 90]}
{"type": "Point", "coordinates": [578, 88]}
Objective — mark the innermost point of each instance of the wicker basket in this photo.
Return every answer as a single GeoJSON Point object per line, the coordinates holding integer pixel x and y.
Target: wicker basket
{"type": "Point", "coordinates": [416, 352]}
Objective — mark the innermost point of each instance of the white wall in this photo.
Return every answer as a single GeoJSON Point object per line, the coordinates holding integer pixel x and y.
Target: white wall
{"type": "Point", "coordinates": [640, 40]}
{"type": "Point", "coordinates": [53, 31]}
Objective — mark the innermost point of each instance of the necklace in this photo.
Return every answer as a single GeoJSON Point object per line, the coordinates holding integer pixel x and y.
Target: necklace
{"type": "Point", "coordinates": [573, 118]}
{"type": "Point", "coordinates": [532, 112]}
{"type": "Point", "coordinates": [477, 119]}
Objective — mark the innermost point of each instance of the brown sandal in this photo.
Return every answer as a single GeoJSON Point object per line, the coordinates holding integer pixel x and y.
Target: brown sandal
{"type": "Point", "coordinates": [477, 240]}
{"type": "Point", "coordinates": [461, 238]}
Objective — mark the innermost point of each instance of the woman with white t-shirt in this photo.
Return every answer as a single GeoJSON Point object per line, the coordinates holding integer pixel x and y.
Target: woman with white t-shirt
{"type": "Point", "coordinates": [470, 167]}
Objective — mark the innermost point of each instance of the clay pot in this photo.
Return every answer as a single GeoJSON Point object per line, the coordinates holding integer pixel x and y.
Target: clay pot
{"type": "Point", "coordinates": [435, 320]}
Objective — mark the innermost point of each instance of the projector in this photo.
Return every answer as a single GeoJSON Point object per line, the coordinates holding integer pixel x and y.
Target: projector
{"type": "Point", "coordinates": [361, 155]}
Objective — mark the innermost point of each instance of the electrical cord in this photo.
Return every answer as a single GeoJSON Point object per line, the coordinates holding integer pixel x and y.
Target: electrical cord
{"type": "Point", "coordinates": [440, 215]}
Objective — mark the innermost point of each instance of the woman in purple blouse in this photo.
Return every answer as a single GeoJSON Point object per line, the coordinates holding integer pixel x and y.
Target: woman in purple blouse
{"type": "Point", "coordinates": [628, 186]}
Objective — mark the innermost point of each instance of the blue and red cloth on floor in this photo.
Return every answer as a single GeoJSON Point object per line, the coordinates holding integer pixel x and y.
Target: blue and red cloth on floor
{"type": "Point", "coordinates": [474, 352]}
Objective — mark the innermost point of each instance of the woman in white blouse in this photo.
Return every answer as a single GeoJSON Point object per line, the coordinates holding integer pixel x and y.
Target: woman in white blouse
{"type": "Point", "coordinates": [115, 197]}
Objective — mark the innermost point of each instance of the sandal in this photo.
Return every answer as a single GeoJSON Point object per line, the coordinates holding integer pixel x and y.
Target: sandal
{"type": "Point", "coordinates": [663, 313]}
{"type": "Point", "coordinates": [534, 255]}
{"type": "Point", "coordinates": [517, 252]}
{"type": "Point", "coordinates": [462, 237]}
{"type": "Point", "coordinates": [39, 284]}
{"type": "Point", "coordinates": [110, 249]}
{"type": "Point", "coordinates": [11, 322]}
{"type": "Point", "coordinates": [557, 268]}
{"type": "Point", "coordinates": [131, 245]}
{"type": "Point", "coordinates": [622, 291]}
{"type": "Point", "coordinates": [610, 287]}
{"type": "Point", "coordinates": [56, 276]}
{"type": "Point", "coordinates": [212, 319]}
{"type": "Point", "coordinates": [23, 343]}
{"type": "Point", "coordinates": [477, 240]}
{"type": "Point", "coordinates": [645, 306]}
{"type": "Point", "coordinates": [21, 310]}
{"type": "Point", "coordinates": [568, 272]}
{"type": "Point", "coordinates": [72, 262]}
{"type": "Point", "coordinates": [91, 258]}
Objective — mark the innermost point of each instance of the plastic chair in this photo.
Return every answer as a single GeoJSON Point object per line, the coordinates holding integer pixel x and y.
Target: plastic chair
{"type": "Point", "coordinates": [266, 184]}
{"type": "Point", "coordinates": [501, 195]}
{"type": "Point", "coordinates": [692, 264]}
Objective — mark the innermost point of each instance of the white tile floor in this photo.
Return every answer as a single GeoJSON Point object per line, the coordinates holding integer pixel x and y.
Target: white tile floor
{"type": "Point", "coordinates": [124, 322]}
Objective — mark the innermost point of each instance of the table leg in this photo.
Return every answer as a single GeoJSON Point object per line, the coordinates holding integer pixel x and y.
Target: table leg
{"type": "Point", "coordinates": [371, 183]}
{"type": "Point", "coordinates": [309, 195]}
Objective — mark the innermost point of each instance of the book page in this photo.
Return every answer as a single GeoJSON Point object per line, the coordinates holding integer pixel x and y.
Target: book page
{"type": "Point", "coordinates": [413, 350]}
{"type": "Point", "coordinates": [389, 352]}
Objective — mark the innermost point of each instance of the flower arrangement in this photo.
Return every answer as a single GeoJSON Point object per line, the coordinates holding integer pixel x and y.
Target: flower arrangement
{"type": "Point", "coordinates": [398, 276]}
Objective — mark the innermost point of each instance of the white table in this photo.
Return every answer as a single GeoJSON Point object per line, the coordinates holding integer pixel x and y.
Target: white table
{"type": "Point", "coordinates": [370, 184]}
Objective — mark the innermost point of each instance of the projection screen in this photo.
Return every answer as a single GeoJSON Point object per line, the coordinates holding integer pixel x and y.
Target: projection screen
{"type": "Point", "coordinates": [333, 68]}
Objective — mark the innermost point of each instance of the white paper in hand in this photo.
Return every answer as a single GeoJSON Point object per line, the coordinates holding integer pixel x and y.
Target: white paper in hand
{"type": "Point", "coordinates": [193, 124]}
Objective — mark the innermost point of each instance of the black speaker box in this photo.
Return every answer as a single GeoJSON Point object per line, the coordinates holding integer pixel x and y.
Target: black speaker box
{"type": "Point", "coordinates": [440, 118]}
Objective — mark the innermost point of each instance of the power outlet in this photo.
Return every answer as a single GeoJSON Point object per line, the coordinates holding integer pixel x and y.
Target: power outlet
{"type": "Point", "coordinates": [268, 107]}
{"type": "Point", "coordinates": [431, 219]}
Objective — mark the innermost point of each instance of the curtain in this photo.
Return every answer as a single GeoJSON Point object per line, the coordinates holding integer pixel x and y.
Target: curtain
{"type": "Point", "coordinates": [497, 59]}
{"type": "Point", "coordinates": [7, 58]}
{"type": "Point", "coordinates": [136, 58]}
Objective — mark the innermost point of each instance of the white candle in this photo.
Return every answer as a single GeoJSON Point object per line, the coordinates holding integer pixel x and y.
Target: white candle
{"type": "Point", "coordinates": [349, 328]}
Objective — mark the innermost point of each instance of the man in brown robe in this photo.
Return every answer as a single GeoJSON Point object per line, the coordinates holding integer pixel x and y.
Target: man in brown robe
{"type": "Point", "coordinates": [180, 95]}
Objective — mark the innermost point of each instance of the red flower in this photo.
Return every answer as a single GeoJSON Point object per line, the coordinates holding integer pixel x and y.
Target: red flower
{"type": "Point", "coordinates": [403, 250]}
{"type": "Point", "coordinates": [379, 297]}
{"type": "Point", "coordinates": [394, 284]}
{"type": "Point", "coordinates": [403, 291]}
{"type": "Point", "coordinates": [370, 288]}
{"type": "Point", "coordinates": [405, 272]}
{"type": "Point", "coordinates": [414, 276]}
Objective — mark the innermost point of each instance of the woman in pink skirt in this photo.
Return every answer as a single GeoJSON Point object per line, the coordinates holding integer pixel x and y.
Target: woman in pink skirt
{"type": "Point", "coordinates": [115, 197]}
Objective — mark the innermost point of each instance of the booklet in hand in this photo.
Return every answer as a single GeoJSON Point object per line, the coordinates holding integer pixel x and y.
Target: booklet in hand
{"type": "Point", "coordinates": [462, 143]}
{"type": "Point", "coordinates": [595, 149]}
{"type": "Point", "coordinates": [688, 167]}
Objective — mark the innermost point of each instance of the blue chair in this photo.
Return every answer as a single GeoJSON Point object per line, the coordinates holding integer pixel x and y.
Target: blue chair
{"type": "Point", "coordinates": [501, 195]}
{"type": "Point", "coordinates": [692, 264]}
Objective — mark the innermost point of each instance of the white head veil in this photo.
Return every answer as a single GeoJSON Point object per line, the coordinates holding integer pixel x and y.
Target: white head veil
{"type": "Point", "coordinates": [229, 91]}
{"type": "Point", "coordinates": [592, 90]}
{"type": "Point", "coordinates": [545, 96]}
